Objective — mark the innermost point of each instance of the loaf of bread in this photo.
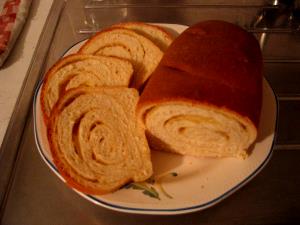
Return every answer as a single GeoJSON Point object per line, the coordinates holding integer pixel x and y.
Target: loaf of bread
{"type": "Point", "coordinates": [76, 70]}
{"type": "Point", "coordinates": [96, 142]}
{"type": "Point", "coordinates": [205, 97]}
{"type": "Point", "coordinates": [127, 44]}
{"type": "Point", "coordinates": [156, 34]}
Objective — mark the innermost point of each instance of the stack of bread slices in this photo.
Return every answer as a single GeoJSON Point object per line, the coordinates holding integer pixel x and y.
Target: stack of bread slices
{"type": "Point", "coordinates": [89, 100]}
{"type": "Point", "coordinates": [203, 98]}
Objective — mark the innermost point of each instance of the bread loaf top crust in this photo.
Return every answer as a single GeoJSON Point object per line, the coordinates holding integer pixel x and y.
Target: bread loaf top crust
{"type": "Point", "coordinates": [213, 63]}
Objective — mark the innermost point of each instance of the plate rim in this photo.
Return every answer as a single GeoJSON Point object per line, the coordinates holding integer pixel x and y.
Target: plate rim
{"type": "Point", "coordinates": [154, 211]}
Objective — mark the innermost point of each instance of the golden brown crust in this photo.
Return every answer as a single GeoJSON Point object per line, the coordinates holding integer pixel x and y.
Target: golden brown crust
{"type": "Point", "coordinates": [212, 62]}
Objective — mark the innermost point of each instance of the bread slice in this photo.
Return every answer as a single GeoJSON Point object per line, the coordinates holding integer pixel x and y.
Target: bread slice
{"type": "Point", "coordinates": [205, 97]}
{"type": "Point", "coordinates": [127, 44]}
{"type": "Point", "coordinates": [156, 34]}
{"type": "Point", "coordinates": [96, 141]}
{"type": "Point", "coordinates": [76, 70]}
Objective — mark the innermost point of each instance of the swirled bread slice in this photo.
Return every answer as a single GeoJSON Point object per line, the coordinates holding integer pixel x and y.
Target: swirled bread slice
{"type": "Point", "coordinates": [96, 141]}
{"type": "Point", "coordinates": [77, 69]}
{"type": "Point", "coordinates": [205, 97]}
{"type": "Point", "coordinates": [127, 44]}
{"type": "Point", "coordinates": [156, 34]}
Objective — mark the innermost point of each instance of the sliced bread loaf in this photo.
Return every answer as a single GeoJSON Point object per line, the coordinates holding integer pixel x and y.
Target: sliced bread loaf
{"type": "Point", "coordinates": [205, 97]}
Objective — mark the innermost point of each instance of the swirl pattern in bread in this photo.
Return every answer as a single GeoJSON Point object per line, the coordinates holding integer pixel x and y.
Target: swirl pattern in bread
{"type": "Point", "coordinates": [204, 99]}
{"type": "Point", "coordinates": [127, 44]}
{"type": "Point", "coordinates": [77, 69]}
{"type": "Point", "coordinates": [96, 142]}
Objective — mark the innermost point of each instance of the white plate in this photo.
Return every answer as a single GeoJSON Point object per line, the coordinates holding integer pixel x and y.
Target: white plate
{"type": "Point", "coordinates": [200, 182]}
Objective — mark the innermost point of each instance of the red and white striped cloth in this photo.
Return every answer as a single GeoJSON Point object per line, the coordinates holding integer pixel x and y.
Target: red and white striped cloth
{"type": "Point", "coordinates": [12, 19]}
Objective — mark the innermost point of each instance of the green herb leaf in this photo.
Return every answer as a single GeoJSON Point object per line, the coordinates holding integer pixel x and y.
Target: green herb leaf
{"type": "Point", "coordinates": [149, 191]}
{"type": "Point", "coordinates": [152, 194]}
{"type": "Point", "coordinates": [154, 191]}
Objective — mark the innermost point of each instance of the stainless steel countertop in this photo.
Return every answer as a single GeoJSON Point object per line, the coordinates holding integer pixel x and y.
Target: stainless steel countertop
{"type": "Point", "coordinates": [32, 194]}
